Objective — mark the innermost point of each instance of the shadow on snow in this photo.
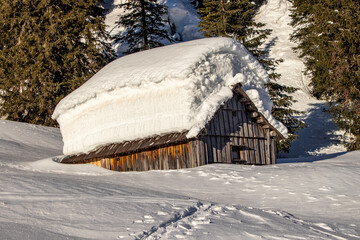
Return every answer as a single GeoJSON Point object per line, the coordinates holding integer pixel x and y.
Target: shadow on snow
{"type": "Point", "coordinates": [321, 133]}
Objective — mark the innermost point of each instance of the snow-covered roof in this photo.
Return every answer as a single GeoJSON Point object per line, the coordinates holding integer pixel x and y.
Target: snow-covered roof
{"type": "Point", "coordinates": [174, 88]}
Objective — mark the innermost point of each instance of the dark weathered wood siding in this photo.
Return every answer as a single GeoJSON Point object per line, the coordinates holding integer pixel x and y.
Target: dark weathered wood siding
{"type": "Point", "coordinates": [233, 125]}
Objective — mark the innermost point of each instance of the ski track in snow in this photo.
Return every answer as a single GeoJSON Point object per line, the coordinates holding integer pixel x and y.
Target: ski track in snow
{"type": "Point", "coordinates": [193, 223]}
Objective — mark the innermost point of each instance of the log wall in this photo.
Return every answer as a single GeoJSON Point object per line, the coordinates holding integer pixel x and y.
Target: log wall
{"type": "Point", "coordinates": [234, 124]}
{"type": "Point", "coordinates": [171, 157]}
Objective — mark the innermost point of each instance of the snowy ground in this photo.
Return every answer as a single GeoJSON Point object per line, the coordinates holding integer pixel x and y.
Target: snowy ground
{"type": "Point", "coordinates": [303, 198]}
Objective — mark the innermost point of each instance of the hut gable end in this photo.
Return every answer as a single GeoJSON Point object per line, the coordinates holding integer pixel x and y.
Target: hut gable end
{"type": "Point", "coordinates": [237, 133]}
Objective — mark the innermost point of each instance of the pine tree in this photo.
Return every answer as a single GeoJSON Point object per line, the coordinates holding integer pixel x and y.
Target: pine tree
{"type": "Point", "coordinates": [328, 33]}
{"type": "Point", "coordinates": [235, 19]}
{"type": "Point", "coordinates": [47, 49]}
{"type": "Point", "coordinates": [282, 102]}
{"type": "Point", "coordinates": [144, 24]}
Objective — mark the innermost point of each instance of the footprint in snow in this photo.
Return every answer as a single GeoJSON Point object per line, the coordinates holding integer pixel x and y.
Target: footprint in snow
{"type": "Point", "coordinates": [148, 219]}
{"type": "Point", "coordinates": [325, 188]}
{"type": "Point", "coordinates": [160, 213]}
{"type": "Point", "coordinates": [185, 226]}
{"type": "Point", "coordinates": [324, 226]}
{"type": "Point", "coordinates": [248, 190]}
{"type": "Point", "coordinates": [176, 208]}
{"type": "Point", "coordinates": [180, 236]}
{"type": "Point", "coordinates": [231, 208]}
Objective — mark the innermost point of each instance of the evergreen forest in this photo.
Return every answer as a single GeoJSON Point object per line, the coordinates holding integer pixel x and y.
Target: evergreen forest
{"type": "Point", "coordinates": [48, 48]}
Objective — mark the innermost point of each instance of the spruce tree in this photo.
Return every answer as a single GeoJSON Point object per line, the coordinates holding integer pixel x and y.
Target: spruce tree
{"type": "Point", "coordinates": [144, 25]}
{"type": "Point", "coordinates": [328, 33]}
{"type": "Point", "coordinates": [47, 49]}
{"type": "Point", "coordinates": [282, 111]}
{"type": "Point", "coordinates": [235, 19]}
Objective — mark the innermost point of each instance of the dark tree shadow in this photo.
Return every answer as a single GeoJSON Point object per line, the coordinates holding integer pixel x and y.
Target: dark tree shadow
{"type": "Point", "coordinates": [320, 133]}
{"type": "Point", "coordinates": [109, 5]}
{"type": "Point", "coordinates": [269, 45]}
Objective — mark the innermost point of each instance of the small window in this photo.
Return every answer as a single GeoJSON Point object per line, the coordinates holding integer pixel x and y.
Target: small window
{"type": "Point", "coordinates": [233, 113]}
{"type": "Point", "coordinates": [237, 154]}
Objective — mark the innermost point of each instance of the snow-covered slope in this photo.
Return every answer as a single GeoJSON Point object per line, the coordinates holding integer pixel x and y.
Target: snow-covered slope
{"type": "Point", "coordinates": [36, 142]}
{"type": "Point", "coordinates": [321, 136]}
{"type": "Point", "coordinates": [305, 198]}
{"type": "Point", "coordinates": [163, 90]}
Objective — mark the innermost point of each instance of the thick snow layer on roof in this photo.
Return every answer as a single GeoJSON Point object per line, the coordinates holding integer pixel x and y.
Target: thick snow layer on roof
{"type": "Point", "coordinates": [169, 89]}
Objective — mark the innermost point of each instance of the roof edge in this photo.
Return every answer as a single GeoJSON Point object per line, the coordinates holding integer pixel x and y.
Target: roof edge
{"type": "Point", "coordinates": [130, 147]}
{"type": "Point", "coordinates": [236, 88]}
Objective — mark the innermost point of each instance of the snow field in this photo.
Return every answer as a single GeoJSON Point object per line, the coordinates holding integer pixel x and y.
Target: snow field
{"type": "Point", "coordinates": [303, 198]}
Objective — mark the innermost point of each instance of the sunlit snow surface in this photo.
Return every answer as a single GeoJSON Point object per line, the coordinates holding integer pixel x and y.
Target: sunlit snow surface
{"type": "Point", "coordinates": [163, 90]}
{"type": "Point", "coordinates": [304, 198]}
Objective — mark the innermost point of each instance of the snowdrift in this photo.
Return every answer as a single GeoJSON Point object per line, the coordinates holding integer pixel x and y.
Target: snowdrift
{"type": "Point", "coordinates": [174, 88]}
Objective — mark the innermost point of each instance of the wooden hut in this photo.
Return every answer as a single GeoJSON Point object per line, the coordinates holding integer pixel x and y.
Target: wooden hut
{"type": "Point", "coordinates": [237, 132]}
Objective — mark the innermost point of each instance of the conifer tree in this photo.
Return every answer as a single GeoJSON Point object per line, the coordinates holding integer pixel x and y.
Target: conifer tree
{"type": "Point", "coordinates": [144, 25]}
{"type": "Point", "coordinates": [328, 37]}
{"type": "Point", "coordinates": [47, 49]}
{"type": "Point", "coordinates": [235, 19]}
{"type": "Point", "coordinates": [283, 112]}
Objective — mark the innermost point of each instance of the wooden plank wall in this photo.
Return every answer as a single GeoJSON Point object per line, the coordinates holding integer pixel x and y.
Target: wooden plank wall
{"type": "Point", "coordinates": [232, 125]}
{"type": "Point", "coordinates": [172, 157]}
